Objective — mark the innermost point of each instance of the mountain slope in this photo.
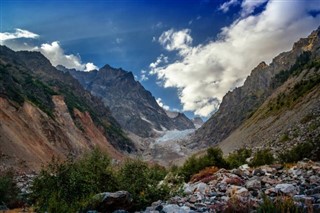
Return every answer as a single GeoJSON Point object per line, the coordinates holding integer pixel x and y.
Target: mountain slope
{"type": "Point", "coordinates": [45, 112]}
{"type": "Point", "coordinates": [133, 107]}
{"type": "Point", "coordinates": [264, 82]}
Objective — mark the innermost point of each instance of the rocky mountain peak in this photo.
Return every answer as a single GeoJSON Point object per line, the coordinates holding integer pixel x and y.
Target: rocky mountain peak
{"type": "Point", "coordinates": [131, 104]}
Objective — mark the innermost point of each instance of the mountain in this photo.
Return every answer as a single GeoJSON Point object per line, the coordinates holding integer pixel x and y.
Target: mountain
{"type": "Point", "coordinates": [197, 121]}
{"type": "Point", "coordinates": [45, 112]}
{"type": "Point", "coordinates": [281, 99]}
{"type": "Point", "coordinates": [131, 104]}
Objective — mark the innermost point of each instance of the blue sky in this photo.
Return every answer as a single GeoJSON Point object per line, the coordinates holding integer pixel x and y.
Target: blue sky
{"type": "Point", "coordinates": [188, 53]}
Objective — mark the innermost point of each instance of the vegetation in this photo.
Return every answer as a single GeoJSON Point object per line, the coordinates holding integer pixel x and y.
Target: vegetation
{"type": "Point", "coordinates": [262, 157]}
{"type": "Point", "coordinates": [297, 153]}
{"type": "Point", "coordinates": [213, 157]}
{"type": "Point", "coordinates": [238, 157]}
{"type": "Point", "coordinates": [142, 181]}
{"type": "Point", "coordinates": [69, 186]}
{"type": "Point", "coordinates": [12, 80]}
{"type": "Point", "coordinates": [8, 189]}
{"type": "Point", "coordinates": [301, 63]}
{"type": "Point", "coordinates": [280, 204]}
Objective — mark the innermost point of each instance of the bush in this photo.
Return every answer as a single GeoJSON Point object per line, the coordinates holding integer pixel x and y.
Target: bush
{"type": "Point", "coordinates": [67, 186]}
{"type": "Point", "coordinates": [213, 157]}
{"type": "Point", "coordinates": [8, 189]}
{"type": "Point", "coordinates": [142, 182]}
{"type": "Point", "coordinates": [262, 157]}
{"type": "Point", "coordinates": [238, 157]}
{"type": "Point", "coordinates": [297, 153]}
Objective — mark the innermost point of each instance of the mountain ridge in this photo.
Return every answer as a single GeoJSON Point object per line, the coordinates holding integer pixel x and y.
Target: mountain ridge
{"type": "Point", "coordinates": [243, 102]}
{"type": "Point", "coordinates": [131, 104]}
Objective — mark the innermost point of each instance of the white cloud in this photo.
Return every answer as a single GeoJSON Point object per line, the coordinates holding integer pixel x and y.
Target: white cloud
{"type": "Point", "coordinates": [205, 73]}
{"type": "Point", "coordinates": [19, 33]}
{"type": "Point", "coordinates": [165, 107]}
{"type": "Point", "coordinates": [57, 56]}
{"type": "Point", "coordinates": [161, 59]}
{"type": "Point", "coordinates": [176, 40]}
{"type": "Point", "coordinates": [248, 6]}
{"type": "Point", "coordinates": [53, 51]}
{"type": "Point", "coordinates": [226, 6]}
{"type": "Point", "coordinates": [90, 66]}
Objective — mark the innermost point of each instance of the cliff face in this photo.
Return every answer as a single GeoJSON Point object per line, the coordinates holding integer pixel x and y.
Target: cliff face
{"type": "Point", "coordinates": [240, 104]}
{"type": "Point", "coordinates": [133, 107]}
{"type": "Point", "coordinates": [45, 112]}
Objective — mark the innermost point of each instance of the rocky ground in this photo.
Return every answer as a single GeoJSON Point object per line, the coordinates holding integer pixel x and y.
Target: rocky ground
{"type": "Point", "coordinates": [243, 189]}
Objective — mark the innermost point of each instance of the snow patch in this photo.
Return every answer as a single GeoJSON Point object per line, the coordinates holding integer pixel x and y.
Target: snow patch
{"type": "Point", "coordinates": [145, 119]}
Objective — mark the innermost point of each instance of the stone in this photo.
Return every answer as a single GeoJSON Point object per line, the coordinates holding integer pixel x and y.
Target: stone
{"type": "Point", "coordinates": [188, 189]}
{"type": "Point", "coordinates": [202, 188]}
{"type": "Point", "coordinates": [258, 172]}
{"type": "Point", "coordinates": [173, 208]}
{"type": "Point", "coordinates": [287, 189]}
{"type": "Point", "coordinates": [253, 184]}
{"type": "Point", "coordinates": [109, 202]}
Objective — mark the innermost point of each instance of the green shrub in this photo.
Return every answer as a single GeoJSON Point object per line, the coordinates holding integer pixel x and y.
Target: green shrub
{"type": "Point", "coordinates": [213, 157]}
{"type": "Point", "coordinates": [297, 153]}
{"type": "Point", "coordinates": [8, 189]}
{"type": "Point", "coordinates": [67, 186]}
{"type": "Point", "coordinates": [238, 157]}
{"type": "Point", "coordinates": [262, 157]}
{"type": "Point", "coordinates": [142, 182]}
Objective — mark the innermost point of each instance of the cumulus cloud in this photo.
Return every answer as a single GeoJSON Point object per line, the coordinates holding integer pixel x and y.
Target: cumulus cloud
{"type": "Point", "coordinates": [165, 107]}
{"type": "Point", "coordinates": [176, 40]}
{"type": "Point", "coordinates": [205, 73]}
{"type": "Point", "coordinates": [53, 51]}
{"type": "Point", "coordinates": [226, 6]}
{"type": "Point", "coordinates": [57, 56]}
{"type": "Point", "coordinates": [19, 33]}
{"type": "Point", "coordinates": [160, 60]}
{"type": "Point", "coordinates": [248, 6]}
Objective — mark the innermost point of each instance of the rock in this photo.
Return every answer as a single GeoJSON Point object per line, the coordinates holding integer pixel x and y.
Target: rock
{"type": "Point", "coordinates": [269, 180]}
{"type": "Point", "coordinates": [202, 188]}
{"type": "Point", "coordinates": [188, 189]}
{"type": "Point", "coordinates": [109, 202]}
{"type": "Point", "coordinates": [173, 208]}
{"type": "Point", "coordinates": [258, 172]}
{"type": "Point", "coordinates": [253, 184]}
{"type": "Point", "coordinates": [287, 189]}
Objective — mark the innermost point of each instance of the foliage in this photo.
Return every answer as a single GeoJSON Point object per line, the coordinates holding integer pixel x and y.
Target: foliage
{"type": "Point", "coordinates": [67, 186]}
{"type": "Point", "coordinates": [238, 157]}
{"type": "Point", "coordinates": [300, 64]}
{"type": "Point", "coordinates": [213, 157]}
{"type": "Point", "coordinates": [70, 185]}
{"type": "Point", "coordinates": [142, 182]}
{"type": "Point", "coordinates": [262, 157]}
{"type": "Point", "coordinates": [297, 153]}
{"type": "Point", "coordinates": [8, 189]}
{"type": "Point", "coordinates": [280, 204]}
{"type": "Point", "coordinates": [18, 85]}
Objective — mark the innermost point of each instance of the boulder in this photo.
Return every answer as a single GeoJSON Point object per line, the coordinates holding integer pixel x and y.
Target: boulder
{"type": "Point", "coordinates": [109, 202]}
{"type": "Point", "coordinates": [173, 208]}
{"type": "Point", "coordinates": [287, 189]}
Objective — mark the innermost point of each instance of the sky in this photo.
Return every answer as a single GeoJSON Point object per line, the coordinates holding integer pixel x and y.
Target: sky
{"type": "Point", "coordinates": [188, 53]}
